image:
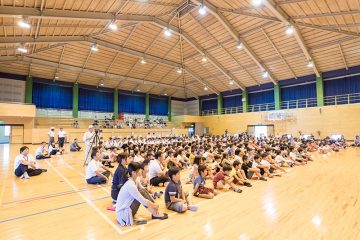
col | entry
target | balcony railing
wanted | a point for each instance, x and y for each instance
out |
(342, 99)
(299, 103)
(261, 107)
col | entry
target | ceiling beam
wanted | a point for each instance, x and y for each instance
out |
(67, 67)
(327, 28)
(280, 14)
(330, 14)
(235, 35)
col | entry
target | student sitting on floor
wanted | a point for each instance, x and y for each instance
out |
(199, 184)
(144, 180)
(96, 173)
(222, 178)
(120, 175)
(198, 160)
(130, 199)
(175, 198)
(237, 174)
(74, 146)
(53, 150)
(264, 168)
(157, 171)
(41, 153)
(250, 171)
(25, 164)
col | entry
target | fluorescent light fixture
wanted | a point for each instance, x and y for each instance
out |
(24, 23)
(240, 45)
(256, 3)
(179, 70)
(290, 30)
(265, 74)
(202, 9)
(143, 61)
(22, 49)
(310, 64)
(167, 32)
(94, 48)
(231, 82)
(113, 26)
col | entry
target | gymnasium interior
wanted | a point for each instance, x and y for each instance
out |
(233, 79)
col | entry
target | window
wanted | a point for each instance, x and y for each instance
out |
(7, 131)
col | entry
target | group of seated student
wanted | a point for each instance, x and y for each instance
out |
(25, 166)
(357, 141)
(228, 162)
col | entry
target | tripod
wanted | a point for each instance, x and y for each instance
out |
(95, 140)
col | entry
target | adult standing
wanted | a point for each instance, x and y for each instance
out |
(51, 135)
(88, 138)
(61, 138)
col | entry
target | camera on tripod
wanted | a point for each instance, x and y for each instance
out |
(97, 129)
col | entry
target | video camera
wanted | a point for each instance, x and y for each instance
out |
(97, 129)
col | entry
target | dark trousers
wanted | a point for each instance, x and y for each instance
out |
(157, 180)
(42, 157)
(97, 179)
(61, 142)
(21, 169)
(53, 152)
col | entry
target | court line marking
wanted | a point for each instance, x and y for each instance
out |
(116, 228)
(49, 210)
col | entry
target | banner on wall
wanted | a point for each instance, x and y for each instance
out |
(279, 115)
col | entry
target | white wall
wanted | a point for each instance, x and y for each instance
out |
(192, 108)
(12, 90)
(177, 108)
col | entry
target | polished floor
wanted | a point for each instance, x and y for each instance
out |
(317, 201)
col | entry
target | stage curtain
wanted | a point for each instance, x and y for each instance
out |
(158, 105)
(52, 96)
(96, 100)
(131, 103)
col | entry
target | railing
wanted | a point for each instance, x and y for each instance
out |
(209, 112)
(232, 110)
(299, 103)
(261, 107)
(342, 99)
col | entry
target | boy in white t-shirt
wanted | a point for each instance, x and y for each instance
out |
(25, 165)
(96, 173)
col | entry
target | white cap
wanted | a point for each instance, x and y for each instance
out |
(91, 126)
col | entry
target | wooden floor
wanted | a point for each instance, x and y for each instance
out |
(317, 201)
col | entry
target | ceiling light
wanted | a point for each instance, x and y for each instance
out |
(256, 3)
(290, 30)
(22, 49)
(94, 48)
(102, 83)
(204, 59)
(231, 82)
(179, 70)
(113, 26)
(265, 74)
(143, 61)
(24, 23)
(165, 94)
(56, 76)
(240, 45)
(138, 90)
(310, 64)
(167, 32)
(206, 88)
(202, 10)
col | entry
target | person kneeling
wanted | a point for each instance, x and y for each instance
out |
(96, 173)
(74, 146)
(130, 199)
(175, 198)
(25, 165)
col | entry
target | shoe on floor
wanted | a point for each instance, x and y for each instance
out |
(263, 179)
(193, 208)
(160, 218)
(247, 184)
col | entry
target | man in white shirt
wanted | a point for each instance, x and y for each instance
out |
(51, 135)
(25, 164)
(41, 152)
(88, 138)
(96, 173)
(157, 173)
(61, 138)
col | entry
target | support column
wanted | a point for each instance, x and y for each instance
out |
(28, 89)
(320, 91)
(219, 104)
(245, 101)
(169, 109)
(147, 106)
(200, 107)
(75, 100)
(116, 103)
(277, 97)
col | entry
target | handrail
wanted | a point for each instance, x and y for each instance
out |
(342, 99)
(299, 103)
(261, 107)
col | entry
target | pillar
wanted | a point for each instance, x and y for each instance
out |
(28, 89)
(147, 106)
(169, 109)
(219, 104)
(75, 113)
(116, 103)
(320, 91)
(245, 101)
(277, 97)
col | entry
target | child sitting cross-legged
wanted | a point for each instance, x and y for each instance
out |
(199, 184)
(222, 178)
(175, 198)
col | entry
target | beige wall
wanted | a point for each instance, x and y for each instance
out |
(16, 110)
(343, 119)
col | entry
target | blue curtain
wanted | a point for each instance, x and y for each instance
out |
(158, 106)
(341, 86)
(261, 97)
(233, 101)
(209, 104)
(131, 103)
(298, 92)
(96, 100)
(52, 96)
